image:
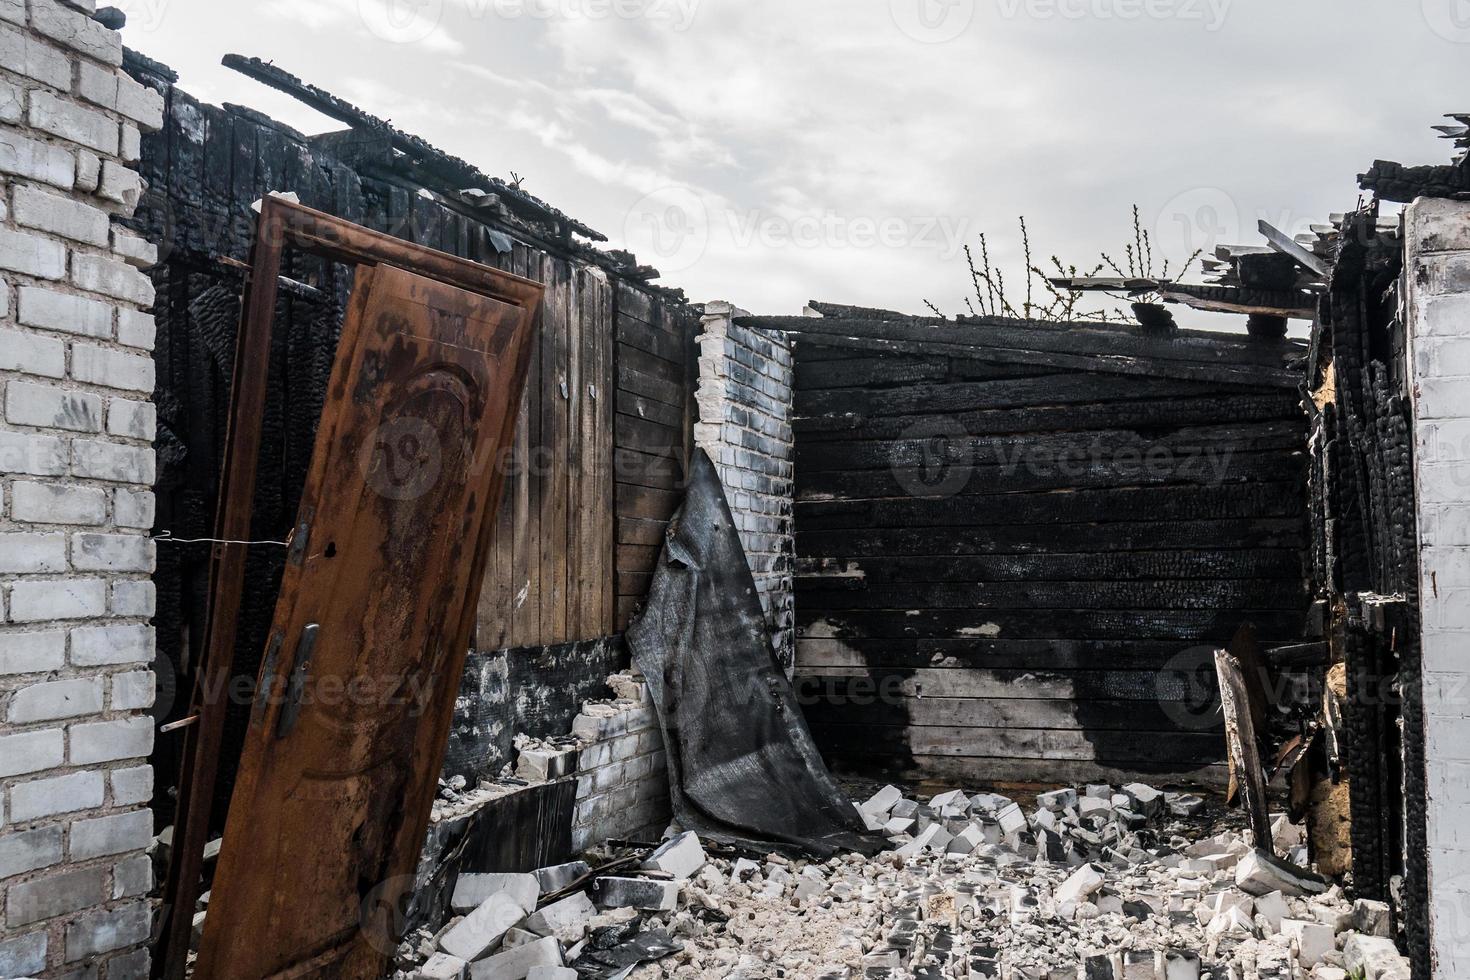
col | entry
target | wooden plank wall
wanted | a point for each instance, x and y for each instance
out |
(558, 568)
(966, 608)
(653, 431)
(550, 581)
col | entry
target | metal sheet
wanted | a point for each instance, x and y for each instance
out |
(743, 768)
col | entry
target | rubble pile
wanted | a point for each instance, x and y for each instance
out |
(1094, 884)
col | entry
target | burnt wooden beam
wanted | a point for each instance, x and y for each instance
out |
(1286, 245)
(1190, 355)
(451, 167)
(1293, 304)
(1246, 769)
(857, 312)
(1396, 182)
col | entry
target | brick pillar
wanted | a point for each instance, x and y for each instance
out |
(76, 502)
(744, 398)
(1437, 286)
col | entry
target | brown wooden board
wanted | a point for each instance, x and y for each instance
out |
(374, 619)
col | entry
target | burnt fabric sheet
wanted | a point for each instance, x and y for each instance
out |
(743, 768)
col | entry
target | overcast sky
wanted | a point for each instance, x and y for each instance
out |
(768, 152)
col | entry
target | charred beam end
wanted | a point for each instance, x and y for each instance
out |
(1398, 183)
(858, 312)
(1292, 304)
(453, 168)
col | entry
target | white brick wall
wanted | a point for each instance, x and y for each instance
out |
(1438, 300)
(76, 508)
(744, 425)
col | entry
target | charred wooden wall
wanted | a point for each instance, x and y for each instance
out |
(607, 386)
(656, 375)
(1006, 570)
(1365, 566)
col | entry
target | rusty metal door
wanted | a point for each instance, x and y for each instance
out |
(370, 633)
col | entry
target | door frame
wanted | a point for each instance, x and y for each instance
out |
(282, 224)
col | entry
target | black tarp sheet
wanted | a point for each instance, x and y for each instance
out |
(743, 768)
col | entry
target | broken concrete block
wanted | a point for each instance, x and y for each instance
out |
(951, 798)
(904, 809)
(1056, 800)
(1092, 805)
(471, 890)
(871, 821)
(1372, 918)
(1272, 907)
(541, 765)
(1230, 922)
(516, 964)
(1100, 966)
(1011, 819)
(1146, 799)
(809, 888)
(898, 825)
(565, 919)
(1285, 834)
(518, 937)
(551, 973)
(1373, 957)
(1183, 804)
(479, 931)
(441, 966)
(1259, 873)
(882, 801)
(1177, 964)
(966, 840)
(559, 876)
(1082, 884)
(680, 857)
(1139, 964)
(637, 893)
(1313, 940)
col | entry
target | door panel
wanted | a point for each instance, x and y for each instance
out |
(370, 633)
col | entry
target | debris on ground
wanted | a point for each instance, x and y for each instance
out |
(1095, 883)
